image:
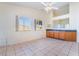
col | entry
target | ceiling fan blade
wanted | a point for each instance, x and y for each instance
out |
(55, 8)
(44, 4)
(49, 6)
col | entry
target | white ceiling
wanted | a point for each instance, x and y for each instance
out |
(37, 5)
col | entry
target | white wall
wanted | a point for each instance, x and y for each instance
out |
(74, 17)
(8, 22)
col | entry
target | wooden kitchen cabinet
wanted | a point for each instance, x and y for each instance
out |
(68, 35)
(73, 36)
(56, 34)
(52, 35)
(49, 34)
(62, 35)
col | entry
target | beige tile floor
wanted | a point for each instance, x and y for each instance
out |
(41, 47)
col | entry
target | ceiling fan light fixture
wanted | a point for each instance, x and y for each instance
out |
(47, 9)
(48, 6)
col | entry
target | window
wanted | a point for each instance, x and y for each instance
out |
(23, 23)
(38, 25)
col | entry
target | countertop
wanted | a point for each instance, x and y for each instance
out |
(66, 30)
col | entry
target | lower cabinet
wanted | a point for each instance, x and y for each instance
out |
(67, 36)
(49, 34)
(70, 36)
(62, 35)
(56, 35)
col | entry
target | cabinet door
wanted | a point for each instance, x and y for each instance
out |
(62, 35)
(70, 36)
(73, 36)
(49, 34)
(56, 34)
(67, 35)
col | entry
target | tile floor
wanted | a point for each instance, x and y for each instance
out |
(41, 47)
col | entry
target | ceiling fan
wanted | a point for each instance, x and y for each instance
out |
(49, 6)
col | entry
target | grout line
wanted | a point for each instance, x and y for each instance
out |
(6, 48)
(70, 49)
